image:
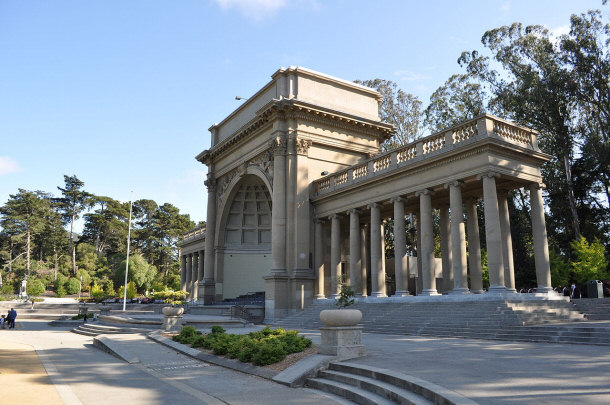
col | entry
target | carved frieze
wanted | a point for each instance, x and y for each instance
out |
(303, 146)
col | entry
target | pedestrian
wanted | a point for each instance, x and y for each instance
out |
(85, 318)
(2, 320)
(12, 315)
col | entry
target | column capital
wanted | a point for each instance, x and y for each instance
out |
(488, 174)
(397, 199)
(319, 220)
(455, 183)
(425, 191)
(334, 216)
(373, 205)
(538, 186)
(210, 183)
(353, 211)
(303, 146)
(278, 145)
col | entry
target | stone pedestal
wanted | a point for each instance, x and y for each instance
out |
(344, 342)
(171, 322)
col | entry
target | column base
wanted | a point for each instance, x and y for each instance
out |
(544, 290)
(378, 294)
(477, 291)
(277, 297)
(320, 297)
(401, 294)
(497, 289)
(511, 290)
(459, 291)
(428, 292)
(334, 296)
(209, 291)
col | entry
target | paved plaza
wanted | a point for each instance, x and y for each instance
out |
(47, 365)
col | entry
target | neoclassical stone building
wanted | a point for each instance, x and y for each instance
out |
(299, 193)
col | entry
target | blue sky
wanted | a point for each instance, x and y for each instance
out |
(122, 92)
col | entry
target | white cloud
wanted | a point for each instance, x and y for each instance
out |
(8, 165)
(505, 8)
(410, 76)
(256, 10)
(559, 31)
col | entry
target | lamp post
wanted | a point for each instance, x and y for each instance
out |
(127, 261)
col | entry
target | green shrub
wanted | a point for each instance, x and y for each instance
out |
(73, 286)
(263, 347)
(35, 287)
(60, 291)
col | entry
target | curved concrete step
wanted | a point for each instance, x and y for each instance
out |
(347, 391)
(95, 330)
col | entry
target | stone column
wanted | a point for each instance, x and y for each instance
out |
(189, 276)
(377, 274)
(355, 250)
(183, 272)
(194, 281)
(427, 242)
(277, 286)
(419, 285)
(493, 235)
(291, 180)
(446, 249)
(209, 283)
(198, 274)
(474, 248)
(365, 257)
(319, 257)
(541, 244)
(278, 209)
(507, 242)
(401, 269)
(458, 239)
(335, 254)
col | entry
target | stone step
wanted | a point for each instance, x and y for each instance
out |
(347, 391)
(430, 392)
(385, 390)
(95, 330)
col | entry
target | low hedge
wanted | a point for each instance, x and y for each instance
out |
(261, 348)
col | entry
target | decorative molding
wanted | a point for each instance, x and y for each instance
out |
(488, 174)
(425, 191)
(210, 183)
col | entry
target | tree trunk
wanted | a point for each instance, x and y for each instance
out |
(571, 199)
(55, 262)
(72, 247)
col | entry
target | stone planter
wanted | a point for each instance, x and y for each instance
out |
(173, 311)
(340, 317)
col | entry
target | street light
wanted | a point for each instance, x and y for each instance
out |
(127, 261)
(239, 98)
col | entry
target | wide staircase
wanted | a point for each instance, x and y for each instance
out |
(368, 385)
(594, 309)
(514, 320)
(95, 329)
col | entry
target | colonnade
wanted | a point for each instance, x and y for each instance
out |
(191, 273)
(453, 243)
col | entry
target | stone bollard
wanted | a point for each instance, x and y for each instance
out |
(172, 317)
(340, 335)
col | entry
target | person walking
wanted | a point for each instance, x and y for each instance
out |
(12, 315)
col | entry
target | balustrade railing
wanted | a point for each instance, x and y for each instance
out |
(485, 126)
(192, 234)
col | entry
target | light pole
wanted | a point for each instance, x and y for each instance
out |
(127, 261)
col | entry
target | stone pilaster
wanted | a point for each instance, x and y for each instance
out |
(474, 248)
(319, 258)
(507, 241)
(189, 275)
(366, 261)
(541, 244)
(446, 249)
(427, 243)
(335, 254)
(493, 235)
(458, 239)
(377, 273)
(355, 250)
(401, 269)
(278, 209)
(209, 284)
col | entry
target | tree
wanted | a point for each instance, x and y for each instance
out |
(140, 272)
(106, 227)
(35, 287)
(24, 216)
(533, 89)
(590, 262)
(131, 290)
(461, 98)
(403, 110)
(74, 201)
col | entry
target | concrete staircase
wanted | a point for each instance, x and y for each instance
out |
(374, 386)
(594, 309)
(91, 329)
(527, 320)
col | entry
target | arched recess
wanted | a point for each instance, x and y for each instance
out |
(243, 251)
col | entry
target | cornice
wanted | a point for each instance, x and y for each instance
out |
(293, 108)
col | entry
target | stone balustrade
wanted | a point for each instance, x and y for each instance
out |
(194, 234)
(485, 126)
